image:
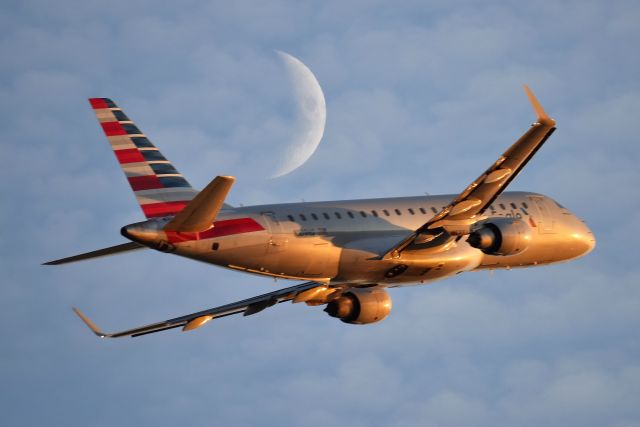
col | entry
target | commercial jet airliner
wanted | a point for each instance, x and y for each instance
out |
(348, 253)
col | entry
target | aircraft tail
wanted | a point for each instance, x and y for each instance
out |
(159, 188)
(113, 250)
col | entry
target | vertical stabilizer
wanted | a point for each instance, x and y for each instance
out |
(159, 188)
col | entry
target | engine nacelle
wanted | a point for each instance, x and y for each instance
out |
(501, 236)
(361, 306)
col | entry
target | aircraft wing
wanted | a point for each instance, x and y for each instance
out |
(298, 293)
(467, 208)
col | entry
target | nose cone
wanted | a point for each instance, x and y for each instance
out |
(582, 238)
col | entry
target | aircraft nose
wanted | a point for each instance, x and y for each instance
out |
(583, 237)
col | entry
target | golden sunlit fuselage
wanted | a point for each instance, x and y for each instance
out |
(343, 241)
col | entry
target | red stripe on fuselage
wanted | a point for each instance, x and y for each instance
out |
(154, 210)
(147, 182)
(225, 227)
(113, 128)
(130, 155)
(98, 103)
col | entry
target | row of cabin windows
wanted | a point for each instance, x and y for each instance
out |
(513, 206)
(385, 212)
(363, 214)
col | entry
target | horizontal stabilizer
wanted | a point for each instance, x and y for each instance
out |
(200, 213)
(113, 250)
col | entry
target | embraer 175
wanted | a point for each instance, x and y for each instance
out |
(348, 253)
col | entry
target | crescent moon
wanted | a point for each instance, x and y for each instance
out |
(311, 115)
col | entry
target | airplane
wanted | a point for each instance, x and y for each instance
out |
(348, 253)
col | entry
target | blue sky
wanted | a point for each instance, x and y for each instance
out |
(421, 97)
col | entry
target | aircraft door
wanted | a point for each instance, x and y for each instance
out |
(277, 239)
(544, 220)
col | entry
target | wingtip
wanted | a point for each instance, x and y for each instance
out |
(89, 323)
(542, 116)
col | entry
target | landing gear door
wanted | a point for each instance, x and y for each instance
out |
(543, 219)
(277, 239)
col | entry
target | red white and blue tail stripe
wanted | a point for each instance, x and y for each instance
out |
(159, 188)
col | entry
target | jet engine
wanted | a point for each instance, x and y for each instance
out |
(361, 306)
(501, 236)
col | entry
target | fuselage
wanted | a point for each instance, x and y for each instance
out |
(342, 241)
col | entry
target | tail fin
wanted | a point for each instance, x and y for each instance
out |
(159, 188)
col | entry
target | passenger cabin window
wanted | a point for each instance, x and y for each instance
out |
(363, 214)
(492, 208)
(513, 205)
(398, 211)
(385, 212)
(374, 213)
(411, 211)
(302, 217)
(325, 215)
(502, 206)
(350, 214)
(215, 246)
(525, 205)
(314, 216)
(338, 215)
(422, 211)
(290, 217)
(434, 210)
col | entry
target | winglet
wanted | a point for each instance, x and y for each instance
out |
(543, 118)
(200, 213)
(89, 323)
